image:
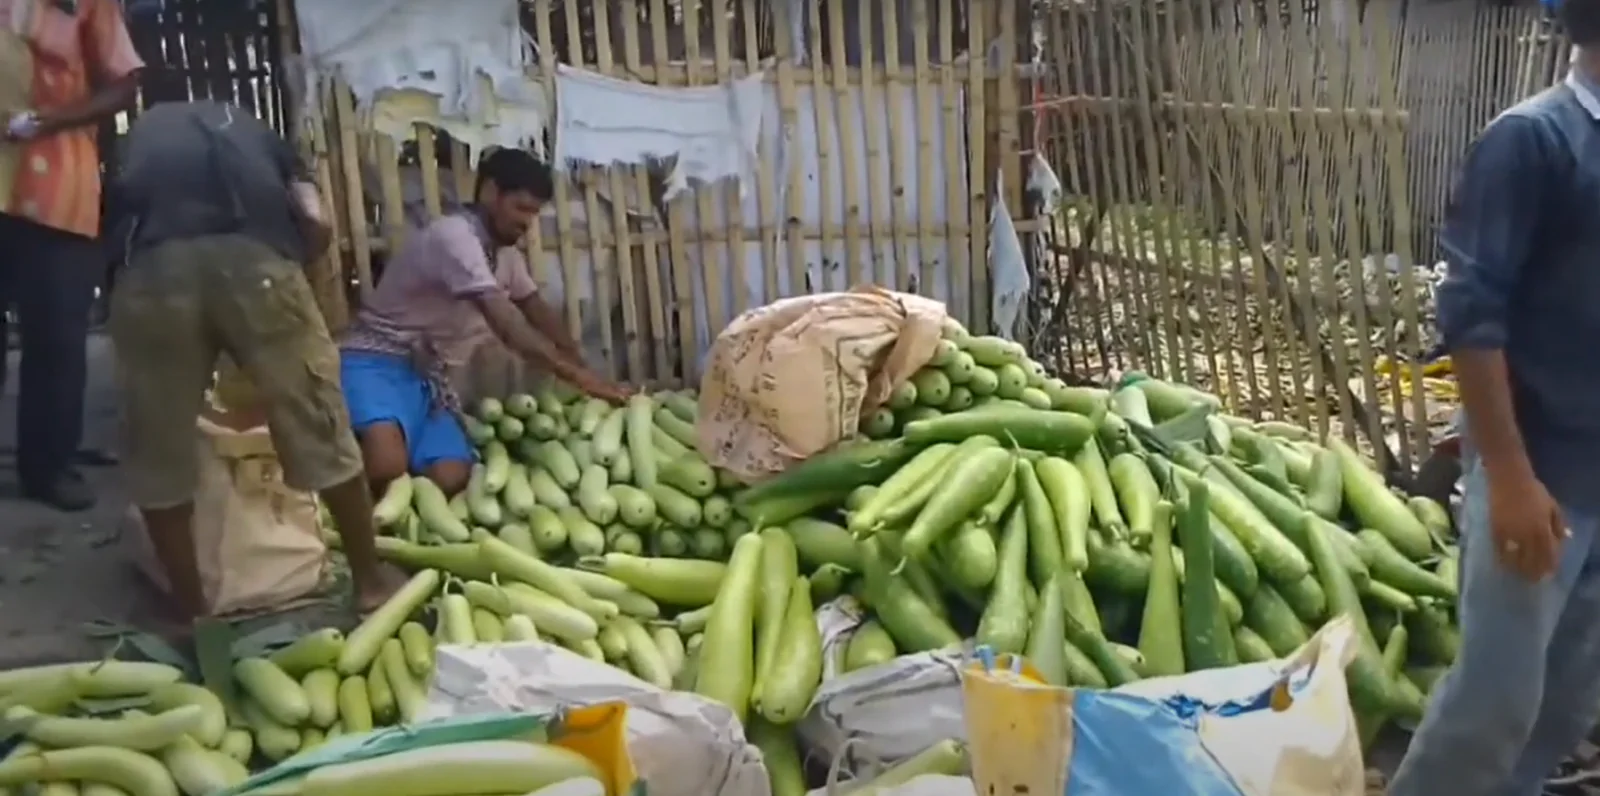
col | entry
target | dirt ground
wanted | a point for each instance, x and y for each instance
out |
(58, 571)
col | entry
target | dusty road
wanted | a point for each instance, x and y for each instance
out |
(58, 571)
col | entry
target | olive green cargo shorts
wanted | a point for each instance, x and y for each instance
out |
(179, 305)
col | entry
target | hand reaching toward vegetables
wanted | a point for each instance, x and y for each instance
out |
(604, 389)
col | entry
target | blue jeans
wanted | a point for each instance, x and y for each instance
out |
(1525, 689)
(380, 388)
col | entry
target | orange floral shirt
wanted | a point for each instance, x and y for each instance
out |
(58, 177)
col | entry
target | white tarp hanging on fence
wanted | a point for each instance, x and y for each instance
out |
(459, 66)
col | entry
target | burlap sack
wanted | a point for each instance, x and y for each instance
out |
(258, 543)
(16, 88)
(791, 379)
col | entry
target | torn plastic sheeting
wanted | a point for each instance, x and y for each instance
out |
(514, 121)
(440, 47)
(711, 131)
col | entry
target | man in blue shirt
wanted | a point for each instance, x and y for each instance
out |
(1520, 313)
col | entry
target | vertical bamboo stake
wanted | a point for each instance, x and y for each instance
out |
(958, 286)
(655, 298)
(1089, 168)
(324, 272)
(766, 183)
(857, 263)
(1377, 87)
(464, 172)
(1313, 413)
(360, 244)
(387, 158)
(876, 203)
(1322, 214)
(428, 163)
(793, 222)
(682, 277)
(636, 372)
(1133, 338)
(599, 271)
(1407, 374)
(927, 128)
(329, 274)
(896, 88)
(568, 253)
(1153, 150)
(827, 175)
(711, 270)
(1253, 212)
(1178, 196)
(1009, 135)
(1412, 357)
(1336, 78)
(982, 173)
(730, 272)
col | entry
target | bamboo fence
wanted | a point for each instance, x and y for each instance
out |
(1252, 193)
(895, 129)
(1243, 182)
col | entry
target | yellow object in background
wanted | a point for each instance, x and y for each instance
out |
(600, 733)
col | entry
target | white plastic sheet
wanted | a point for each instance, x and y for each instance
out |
(681, 744)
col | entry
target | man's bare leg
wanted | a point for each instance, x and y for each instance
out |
(171, 532)
(350, 503)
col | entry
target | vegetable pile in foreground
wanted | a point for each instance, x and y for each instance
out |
(1106, 535)
(1110, 535)
(80, 737)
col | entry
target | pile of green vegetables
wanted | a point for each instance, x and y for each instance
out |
(121, 728)
(1106, 535)
(1111, 535)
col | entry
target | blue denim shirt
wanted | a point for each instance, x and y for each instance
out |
(1522, 238)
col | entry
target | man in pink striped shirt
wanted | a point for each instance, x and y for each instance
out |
(459, 283)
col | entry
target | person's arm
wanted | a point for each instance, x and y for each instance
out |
(506, 321)
(546, 321)
(1488, 238)
(305, 201)
(113, 63)
(313, 219)
(535, 312)
(465, 270)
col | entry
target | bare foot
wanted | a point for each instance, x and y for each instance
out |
(172, 626)
(370, 596)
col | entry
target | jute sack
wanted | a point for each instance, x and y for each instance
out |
(258, 543)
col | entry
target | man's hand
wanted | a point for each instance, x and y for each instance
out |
(1526, 526)
(21, 127)
(604, 389)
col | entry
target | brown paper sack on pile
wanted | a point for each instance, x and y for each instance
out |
(788, 380)
(258, 542)
(16, 88)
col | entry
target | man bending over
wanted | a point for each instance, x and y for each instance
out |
(219, 217)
